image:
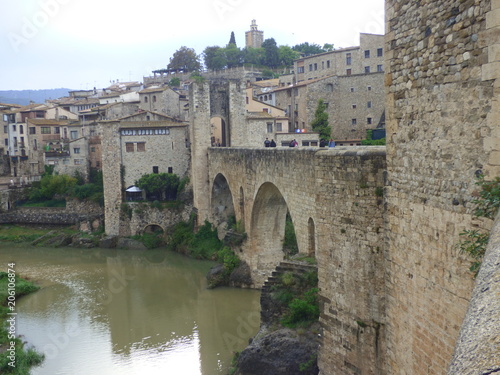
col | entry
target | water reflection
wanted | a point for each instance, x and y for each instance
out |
(121, 312)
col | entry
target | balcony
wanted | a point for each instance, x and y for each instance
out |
(56, 154)
(51, 137)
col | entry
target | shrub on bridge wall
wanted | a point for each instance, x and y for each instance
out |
(474, 241)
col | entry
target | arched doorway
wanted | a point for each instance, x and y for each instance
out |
(218, 132)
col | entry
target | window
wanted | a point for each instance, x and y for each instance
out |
(269, 127)
(310, 67)
(45, 130)
(170, 170)
(13, 128)
(40, 115)
(296, 91)
(15, 141)
(300, 69)
(369, 88)
(21, 130)
(380, 68)
(76, 150)
(57, 130)
(279, 127)
(354, 106)
(154, 98)
(348, 59)
(315, 66)
(352, 89)
(369, 105)
(73, 134)
(326, 105)
(156, 169)
(5, 129)
(367, 69)
(141, 146)
(145, 99)
(6, 142)
(148, 118)
(92, 149)
(368, 120)
(367, 54)
(329, 87)
(78, 161)
(380, 52)
(348, 72)
(35, 144)
(32, 130)
(129, 147)
(353, 121)
(327, 64)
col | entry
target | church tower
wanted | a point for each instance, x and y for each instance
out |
(254, 37)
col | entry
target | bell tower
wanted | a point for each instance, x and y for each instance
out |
(254, 37)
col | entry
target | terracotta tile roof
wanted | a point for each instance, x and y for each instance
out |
(153, 89)
(43, 121)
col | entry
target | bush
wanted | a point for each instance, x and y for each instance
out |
(487, 205)
(302, 311)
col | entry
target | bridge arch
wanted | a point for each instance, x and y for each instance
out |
(221, 200)
(268, 226)
(153, 228)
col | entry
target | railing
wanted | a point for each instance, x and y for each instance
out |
(56, 154)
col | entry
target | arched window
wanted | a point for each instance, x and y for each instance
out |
(154, 98)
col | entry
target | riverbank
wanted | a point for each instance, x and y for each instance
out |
(15, 358)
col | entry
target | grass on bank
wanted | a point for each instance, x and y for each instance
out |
(24, 358)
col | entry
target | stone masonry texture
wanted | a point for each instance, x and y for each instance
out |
(442, 128)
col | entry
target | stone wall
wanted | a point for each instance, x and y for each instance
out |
(137, 216)
(442, 129)
(350, 211)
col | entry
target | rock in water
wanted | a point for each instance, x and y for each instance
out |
(281, 352)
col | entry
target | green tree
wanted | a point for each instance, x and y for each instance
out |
(175, 82)
(272, 58)
(287, 55)
(159, 185)
(232, 39)
(320, 121)
(50, 186)
(233, 55)
(308, 49)
(214, 58)
(185, 59)
(254, 56)
(327, 47)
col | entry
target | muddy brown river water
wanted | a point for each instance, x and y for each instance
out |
(106, 312)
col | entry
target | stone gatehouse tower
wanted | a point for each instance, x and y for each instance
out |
(224, 100)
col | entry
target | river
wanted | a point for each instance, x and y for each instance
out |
(106, 312)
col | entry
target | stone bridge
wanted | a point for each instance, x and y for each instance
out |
(335, 200)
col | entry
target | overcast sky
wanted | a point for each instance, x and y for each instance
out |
(80, 44)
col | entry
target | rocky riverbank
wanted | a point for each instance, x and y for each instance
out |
(288, 340)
